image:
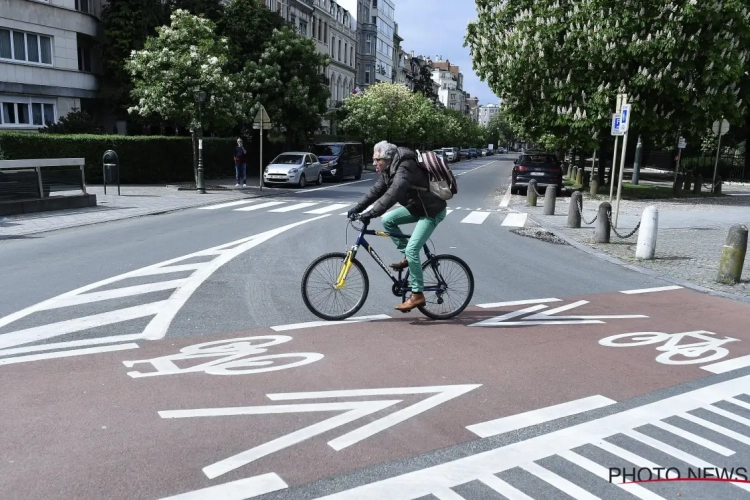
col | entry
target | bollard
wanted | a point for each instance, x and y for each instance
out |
(574, 216)
(579, 177)
(575, 175)
(678, 182)
(646, 247)
(733, 255)
(570, 171)
(717, 187)
(550, 199)
(688, 180)
(602, 230)
(698, 184)
(531, 194)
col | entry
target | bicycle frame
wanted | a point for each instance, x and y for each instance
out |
(397, 282)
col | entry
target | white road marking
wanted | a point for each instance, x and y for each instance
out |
(493, 305)
(447, 212)
(535, 417)
(163, 311)
(457, 472)
(116, 293)
(546, 314)
(298, 206)
(717, 428)
(337, 185)
(240, 489)
(258, 207)
(668, 449)
(739, 403)
(504, 488)
(650, 290)
(506, 198)
(728, 365)
(558, 482)
(66, 354)
(313, 324)
(225, 205)
(515, 220)
(447, 494)
(475, 168)
(700, 441)
(728, 414)
(329, 208)
(548, 317)
(73, 343)
(475, 217)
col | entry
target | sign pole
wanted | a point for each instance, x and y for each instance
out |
(260, 164)
(718, 149)
(614, 153)
(622, 162)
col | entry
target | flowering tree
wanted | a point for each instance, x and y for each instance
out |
(559, 64)
(183, 59)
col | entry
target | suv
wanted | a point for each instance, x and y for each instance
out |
(340, 159)
(544, 168)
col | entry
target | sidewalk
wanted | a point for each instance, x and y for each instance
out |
(134, 201)
(690, 238)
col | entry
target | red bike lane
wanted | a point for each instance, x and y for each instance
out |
(307, 402)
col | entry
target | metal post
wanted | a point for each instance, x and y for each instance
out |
(260, 167)
(718, 149)
(622, 169)
(201, 186)
(41, 185)
(637, 162)
(83, 178)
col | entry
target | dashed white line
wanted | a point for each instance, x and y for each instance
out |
(262, 205)
(225, 205)
(475, 217)
(329, 208)
(651, 290)
(313, 324)
(515, 220)
(506, 199)
(297, 206)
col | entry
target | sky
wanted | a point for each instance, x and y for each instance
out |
(433, 29)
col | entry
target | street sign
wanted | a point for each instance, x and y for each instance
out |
(262, 117)
(724, 127)
(625, 117)
(682, 143)
(616, 124)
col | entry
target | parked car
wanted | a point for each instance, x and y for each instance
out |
(442, 154)
(484, 152)
(473, 153)
(544, 168)
(465, 153)
(340, 159)
(450, 155)
(295, 167)
(456, 153)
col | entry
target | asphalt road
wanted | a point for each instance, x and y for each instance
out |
(103, 334)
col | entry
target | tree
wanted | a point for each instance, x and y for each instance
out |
(210, 9)
(186, 57)
(286, 79)
(423, 83)
(247, 25)
(126, 24)
(76, 121)
(499, 130)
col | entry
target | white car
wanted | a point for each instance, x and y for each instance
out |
(450, 154)
(296, 167)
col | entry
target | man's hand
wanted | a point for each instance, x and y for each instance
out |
(365, 218)
(352, 211)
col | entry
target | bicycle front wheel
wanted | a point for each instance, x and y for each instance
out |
(319, 291)
(448, 286)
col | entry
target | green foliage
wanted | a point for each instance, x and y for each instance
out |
(143, 159)
(423, 83)
(499, 130)
(210, 9)
(247, 26)
(559, 64)
(126, 24)
(185, 58)
(76, 121)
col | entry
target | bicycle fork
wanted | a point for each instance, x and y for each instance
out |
(341, 280)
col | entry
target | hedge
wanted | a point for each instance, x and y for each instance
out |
(143, 159)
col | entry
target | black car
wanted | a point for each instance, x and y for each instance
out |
(544, 168)
(340, 159)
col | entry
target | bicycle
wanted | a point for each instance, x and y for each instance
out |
(343, 263)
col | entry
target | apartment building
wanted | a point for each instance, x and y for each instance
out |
(486, 112)
(472, 107)
(48, 60)
(450, 81)
(377, 37)
(297, 12)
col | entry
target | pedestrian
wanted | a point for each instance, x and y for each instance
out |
(399, 174)
(240, 163)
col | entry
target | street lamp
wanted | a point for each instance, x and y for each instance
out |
(200, 97)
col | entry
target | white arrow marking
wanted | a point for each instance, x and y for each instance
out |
(549, 317)
(241, 489)
(356, 409)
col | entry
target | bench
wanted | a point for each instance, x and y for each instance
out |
(26, 179)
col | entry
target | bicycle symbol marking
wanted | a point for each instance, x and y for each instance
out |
(707, 348)
(237, 356)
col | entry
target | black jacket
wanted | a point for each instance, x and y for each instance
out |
(396, 185)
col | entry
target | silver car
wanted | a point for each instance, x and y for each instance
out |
(293, 168)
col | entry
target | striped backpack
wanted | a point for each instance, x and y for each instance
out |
(442, 182)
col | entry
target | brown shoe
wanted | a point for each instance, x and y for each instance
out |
(416, 300)
(400, 265)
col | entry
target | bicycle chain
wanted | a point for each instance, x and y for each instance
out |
(609, 216)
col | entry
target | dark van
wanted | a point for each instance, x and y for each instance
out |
(340, 159)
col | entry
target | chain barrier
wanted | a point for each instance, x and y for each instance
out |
(535, 191)
(609, 217)
(579, 206)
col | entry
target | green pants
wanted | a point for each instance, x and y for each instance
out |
(412, 246)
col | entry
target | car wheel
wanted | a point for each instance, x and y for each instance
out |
(302, 182)
(359, 174)
(319, 182)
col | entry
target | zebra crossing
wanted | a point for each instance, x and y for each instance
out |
(703, 433)
(467, 215)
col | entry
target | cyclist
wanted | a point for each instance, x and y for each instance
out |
(399, 175)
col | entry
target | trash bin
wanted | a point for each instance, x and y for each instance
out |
(111, 170)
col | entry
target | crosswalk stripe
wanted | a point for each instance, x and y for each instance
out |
(602, 472)
(667, 449)
(475, 217)
(692, 437)
(448, 212)
(626, 455)
(504, 488)
(446, 494)
(293, 207)
(262, 205)
(728, 414)
(717, 428)
(329, 208)
(515, 220)
(558, 482)
(225, 205)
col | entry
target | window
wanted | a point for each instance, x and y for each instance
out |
(367, 75)
(374, 4)
(325, 35)
(313, 27)
(320, 30)
(368, 45)
(303, 27)
(333, 47)
(346, 53)
(351, 56)
(25, 47)
(84, 59)
(339, 49)
(84, 6)
(24, 111)
(384, 28)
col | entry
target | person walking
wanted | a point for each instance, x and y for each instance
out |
(240, 163)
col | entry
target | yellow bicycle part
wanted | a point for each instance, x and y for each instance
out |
(344, 272)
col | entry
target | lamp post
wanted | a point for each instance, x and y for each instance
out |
(200, 97)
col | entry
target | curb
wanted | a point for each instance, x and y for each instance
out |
(647, 272)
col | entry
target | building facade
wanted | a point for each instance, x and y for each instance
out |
(48, 60)
(486, 112)
(297, 12)
(472, 107)
(450, 81)
(377, 38)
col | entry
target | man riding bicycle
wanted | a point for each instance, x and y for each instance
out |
(399, 175)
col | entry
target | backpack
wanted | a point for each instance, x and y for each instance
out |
(442, 182)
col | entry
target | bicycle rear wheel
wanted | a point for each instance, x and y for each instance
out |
(322, 297)
(448, 286)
